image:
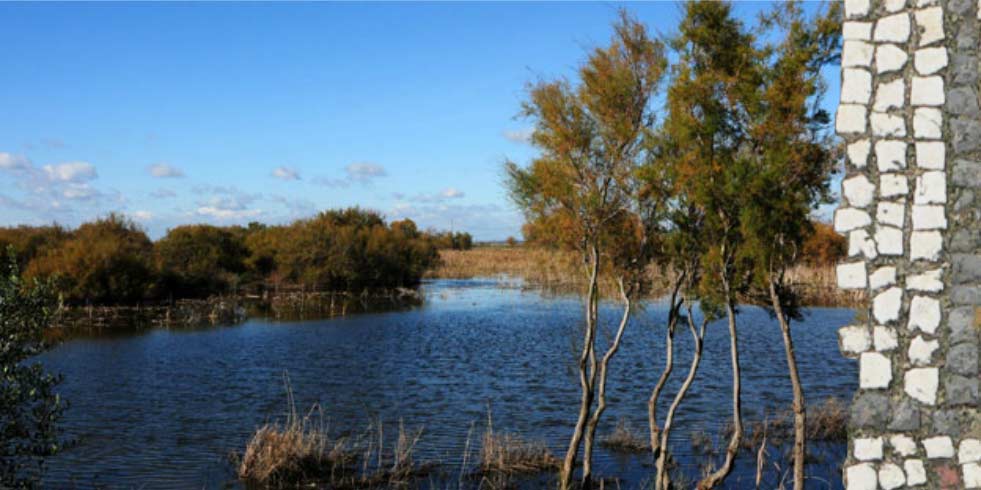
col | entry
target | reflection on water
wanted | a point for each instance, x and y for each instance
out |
(164, 409)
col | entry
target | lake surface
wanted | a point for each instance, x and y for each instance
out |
(163, 409)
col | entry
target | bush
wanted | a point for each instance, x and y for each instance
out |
(107, 261)
(824, 246)
(29, 242)
(29, 408)
(199, 260)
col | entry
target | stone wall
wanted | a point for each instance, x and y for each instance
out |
(911, 208)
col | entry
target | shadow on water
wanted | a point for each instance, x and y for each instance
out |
(164, 408)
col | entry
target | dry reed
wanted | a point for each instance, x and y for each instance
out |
(561, 271)
(625, 440)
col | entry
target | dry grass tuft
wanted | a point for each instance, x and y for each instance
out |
(625, 440)
(509, 453)
(300, 452)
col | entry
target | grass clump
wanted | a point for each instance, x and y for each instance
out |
(625, 440)
(509, 453)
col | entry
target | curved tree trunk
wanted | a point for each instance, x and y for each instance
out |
(800, 413)
(585, 382)
(719, 475)
(663, 479)
(601, 387)
(666, 373)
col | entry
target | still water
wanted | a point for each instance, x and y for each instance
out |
(164, 409)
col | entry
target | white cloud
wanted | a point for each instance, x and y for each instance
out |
(451, 193)
(12, 162)
(227, 214)
(164, 171)
(484, 221)
(285, 173)
(79, 192)
(518, 135)
(141, 215)
(364, 171)
(70, 172)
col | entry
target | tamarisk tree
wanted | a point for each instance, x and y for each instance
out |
(792, 161)
(592, 137)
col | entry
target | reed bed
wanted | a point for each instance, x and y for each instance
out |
(561, 271)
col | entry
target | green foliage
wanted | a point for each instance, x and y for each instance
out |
(106, 261)
(581, 191)
(200, 260)
(29, 407)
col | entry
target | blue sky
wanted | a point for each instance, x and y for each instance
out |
(228, 113)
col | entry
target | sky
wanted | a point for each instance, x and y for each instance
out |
(227, 113)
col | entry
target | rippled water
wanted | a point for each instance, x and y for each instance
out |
(164, 408)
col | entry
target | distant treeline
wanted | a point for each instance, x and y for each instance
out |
(113, 261)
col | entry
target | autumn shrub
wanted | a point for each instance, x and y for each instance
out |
(107, 261)
(200, 260)
(29, 242)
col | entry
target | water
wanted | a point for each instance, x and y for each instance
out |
(163, 409)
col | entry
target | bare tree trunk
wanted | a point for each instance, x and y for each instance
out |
(718, 476)
(663, 479)
(585, 381)
(800, 414)
(666, 373)
(601, 386)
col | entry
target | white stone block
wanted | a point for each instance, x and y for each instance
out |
(890, 155)
(868, 448)
(890, 213)
(924, 245)
(891, 476)
(854, 339)
(852, 275)
(921, 351)
(939, 447)
(892, 29)
(921, 385)
(894, 5)
(858, 153)
(891, 185)
(882, 277)
(931, 155)
(856, 8)
(903, 445)
(884, 338)
(848, 219)
(928, 61)
(969, 451)
(931, 188)
(889, 95)
(851, 118)
(888, 57)
(889, 240)
(930, 24)
(887, 304)
(857, 54)
(859, 191)
(972, 475)
(856, 31)
(874, 371)
(927, 91)
(924, 314)
(915, 472)
(886, 125)
(860, 243)
(856, 86)
(925, 3)
(930, 281)
(861, 476)
(928, 123)
(929, 217)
